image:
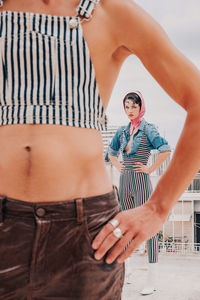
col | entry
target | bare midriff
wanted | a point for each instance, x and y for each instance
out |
(51, 163)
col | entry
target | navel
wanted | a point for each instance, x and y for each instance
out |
(28, 161)
(28, 148)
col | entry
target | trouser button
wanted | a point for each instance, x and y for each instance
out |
(40, 212)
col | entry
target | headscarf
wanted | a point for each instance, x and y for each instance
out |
(136, 122)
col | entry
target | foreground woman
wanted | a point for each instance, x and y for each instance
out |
(56, 194)
(135, 141)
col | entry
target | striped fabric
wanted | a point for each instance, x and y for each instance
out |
(86, 8)
(142, 155)
(46, 72)
(136, 188)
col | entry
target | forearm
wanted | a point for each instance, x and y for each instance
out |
(115, 162)
(182, 168)
(160, 159)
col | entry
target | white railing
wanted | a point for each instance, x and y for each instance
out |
(173, 248)
(179, 248)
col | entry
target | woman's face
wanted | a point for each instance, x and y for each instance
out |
(132, 109)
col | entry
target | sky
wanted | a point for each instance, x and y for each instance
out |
(180, 19)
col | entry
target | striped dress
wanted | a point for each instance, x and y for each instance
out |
(46, 72)
(135, 189)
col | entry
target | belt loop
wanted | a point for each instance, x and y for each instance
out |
(79, 210)
(2, 199)
(116, 192)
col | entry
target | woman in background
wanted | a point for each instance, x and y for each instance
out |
(135, 141)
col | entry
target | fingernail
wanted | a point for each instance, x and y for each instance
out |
(97, 256)
(108, 261)
(93, 246)
(119, 261)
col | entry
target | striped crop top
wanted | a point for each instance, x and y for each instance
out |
(46, 72)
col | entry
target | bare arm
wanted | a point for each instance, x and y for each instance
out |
(181, 80)
(115, 162)
(159, 160)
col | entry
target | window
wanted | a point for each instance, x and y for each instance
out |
(195, 185)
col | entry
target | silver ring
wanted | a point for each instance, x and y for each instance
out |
(114, 222)
(117, 232)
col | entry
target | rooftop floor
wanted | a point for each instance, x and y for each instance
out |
(178, 278)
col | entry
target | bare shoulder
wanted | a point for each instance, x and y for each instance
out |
(133, 25)
(119, 6)
(119, 10)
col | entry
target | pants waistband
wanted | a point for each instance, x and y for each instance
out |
(77, 208)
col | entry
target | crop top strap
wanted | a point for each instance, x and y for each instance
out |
(86, 8)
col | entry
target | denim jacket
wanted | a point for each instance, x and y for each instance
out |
(122, 137)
